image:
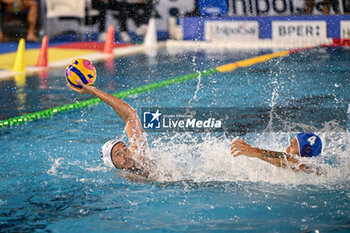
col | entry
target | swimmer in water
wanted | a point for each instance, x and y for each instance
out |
(302, 145)
(115, 153)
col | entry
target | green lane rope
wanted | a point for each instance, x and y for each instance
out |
(90, 102)
(145, 88)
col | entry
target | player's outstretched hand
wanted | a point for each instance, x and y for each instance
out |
(84, 90)
(240, 147)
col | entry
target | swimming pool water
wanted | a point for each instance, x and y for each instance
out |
(52, 178)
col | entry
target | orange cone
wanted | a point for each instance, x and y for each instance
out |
(43, 60)
(109, 43)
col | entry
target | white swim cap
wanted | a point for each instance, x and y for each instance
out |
(106, 152)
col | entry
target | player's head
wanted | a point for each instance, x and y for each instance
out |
(309, 144)
(115, 153)
(305, 145)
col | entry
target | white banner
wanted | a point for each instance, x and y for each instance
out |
(231, 30)
(299, 29)
(345, 29)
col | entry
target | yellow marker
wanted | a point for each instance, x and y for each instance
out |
(20, 80)
(250, 61)
(227, 67)
(19, 64)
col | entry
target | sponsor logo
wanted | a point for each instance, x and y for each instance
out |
(226, 31)
(345, 29)
(278, 7)
(299, 29)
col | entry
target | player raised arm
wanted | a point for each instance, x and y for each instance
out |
(134, 129)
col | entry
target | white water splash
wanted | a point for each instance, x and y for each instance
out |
(56, 164)
(207, 158)
(198, 87)
(100, 167)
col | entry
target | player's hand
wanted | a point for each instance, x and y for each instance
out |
(83, 90)
(240, 147)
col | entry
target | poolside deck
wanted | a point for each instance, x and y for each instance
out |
(59, 55)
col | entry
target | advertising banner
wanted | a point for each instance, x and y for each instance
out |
(231, 30)
(212, 7)
(345, 29)
(299, 29)
(281, 7)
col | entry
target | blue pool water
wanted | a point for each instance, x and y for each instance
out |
(52, 178)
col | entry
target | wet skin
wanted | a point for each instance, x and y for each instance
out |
(121, 156)
(293, 147)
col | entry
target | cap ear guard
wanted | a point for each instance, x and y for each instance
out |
(306, 151)
(309, 144)
(106, 152)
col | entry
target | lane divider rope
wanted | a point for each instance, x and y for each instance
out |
(149, 87)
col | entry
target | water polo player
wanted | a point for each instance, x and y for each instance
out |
(115, 153)
(302, 145)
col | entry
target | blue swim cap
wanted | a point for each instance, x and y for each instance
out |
(309, 144)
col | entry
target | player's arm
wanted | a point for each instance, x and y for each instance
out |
(279, 159)
(125, 111)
